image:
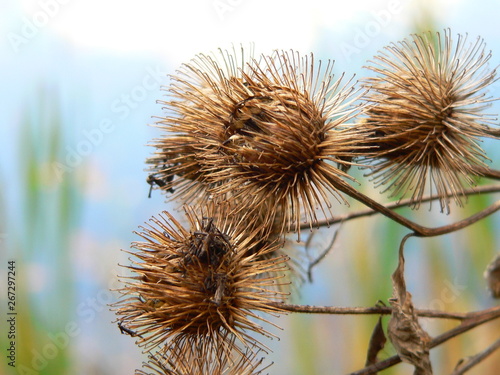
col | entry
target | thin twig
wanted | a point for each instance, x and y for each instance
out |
(494, 188)
(488, 172)
(418, 230)
(321, 256)
(476, 319)
(467, 364)
(380, 310)
(492, 133)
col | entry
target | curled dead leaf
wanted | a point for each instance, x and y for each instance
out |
(405, 333)
(377, 343)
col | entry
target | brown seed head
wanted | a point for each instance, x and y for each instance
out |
(427, 115)
(273, 130)
(199, 286)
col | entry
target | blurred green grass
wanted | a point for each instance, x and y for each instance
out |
(39, 240)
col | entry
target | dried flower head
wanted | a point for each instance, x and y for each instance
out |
(274, 130)
(199, 288)
(427, 115)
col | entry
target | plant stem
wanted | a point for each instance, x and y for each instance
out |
(381, 310)
(470, 362)
(493, 188)
(489, 173)
(417, 229)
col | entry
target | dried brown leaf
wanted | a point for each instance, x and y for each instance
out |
(492, 276)
(407, 336)
(377, 343)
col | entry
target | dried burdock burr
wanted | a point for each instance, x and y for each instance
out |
(197, 287)
(275, 131)
(427, 112)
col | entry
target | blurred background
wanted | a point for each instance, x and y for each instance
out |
(79, 82)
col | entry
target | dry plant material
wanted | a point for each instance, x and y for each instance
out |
(259, 148)
(464, 365)
(492, 276)
(192, 362)
(272, 133)
(199, 289)
(269, 234)
(427, 112)
(377, 343)
(407, 336)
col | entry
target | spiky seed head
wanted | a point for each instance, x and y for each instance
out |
(198, 285)
(426, 109)
(274, 130)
